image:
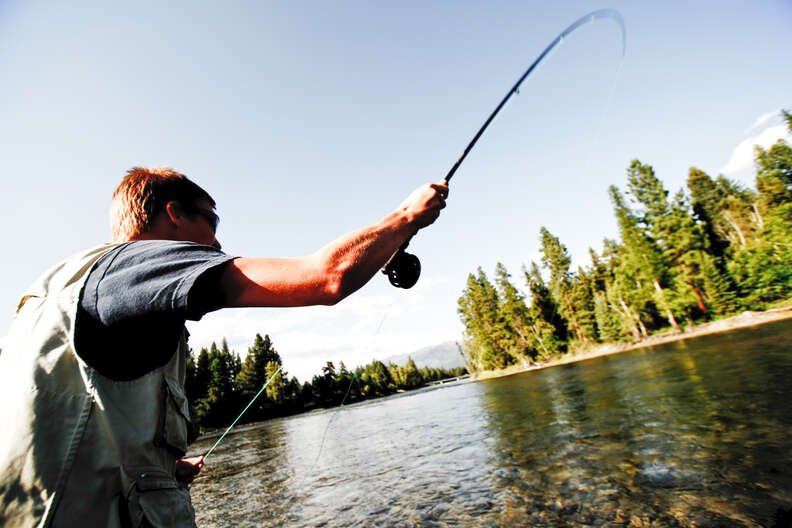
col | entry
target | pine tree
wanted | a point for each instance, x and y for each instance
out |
(548, 327)
(642, 262)
(630, 299)
(253, 372)
(685, 251)
(582, 298)
(600, 274)
(190, 381)
(202, 376)
(721, 296)
(292, 395)
(706, 200)
(513, 321)
(345, 381)
(218, 406)
(234, 364)
(275, 388)
(774, 183)
(557, 261)
(251, 375)
(412, 377)
(325, 386)
(478, 310)
(763, 268)
(607, 321)
(610, 326)
(648, 233)
(739, 215)
(378, 379)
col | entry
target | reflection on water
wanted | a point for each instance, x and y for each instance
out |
(688, 434)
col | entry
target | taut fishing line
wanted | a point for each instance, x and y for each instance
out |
(206, 455)
(277, 371)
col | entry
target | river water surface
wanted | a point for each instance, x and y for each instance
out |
(694, 433)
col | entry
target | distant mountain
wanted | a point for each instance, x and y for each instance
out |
(444, 355)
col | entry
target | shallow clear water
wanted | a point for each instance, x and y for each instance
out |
(695, 433)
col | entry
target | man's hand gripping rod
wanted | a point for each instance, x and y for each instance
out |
(403, 269)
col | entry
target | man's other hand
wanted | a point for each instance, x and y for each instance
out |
(188, 468)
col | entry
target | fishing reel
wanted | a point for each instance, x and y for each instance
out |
(403, 269)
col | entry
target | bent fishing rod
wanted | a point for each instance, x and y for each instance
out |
(403, 269)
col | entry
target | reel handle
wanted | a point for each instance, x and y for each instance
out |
(403, 269)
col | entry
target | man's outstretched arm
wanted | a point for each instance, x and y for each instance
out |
(338, 269)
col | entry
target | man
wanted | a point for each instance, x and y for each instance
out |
(92, 373)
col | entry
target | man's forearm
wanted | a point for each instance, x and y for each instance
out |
(357, 256)
(339, 268)
(325, 277)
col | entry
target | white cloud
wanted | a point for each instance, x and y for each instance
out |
(764, 118)
(356, 330)
(742, 156)
(239, 326)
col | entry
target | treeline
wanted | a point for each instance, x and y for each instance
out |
(712, 250)
(220, 384)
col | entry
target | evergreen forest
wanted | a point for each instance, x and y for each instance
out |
(220, 384)
(706, 252)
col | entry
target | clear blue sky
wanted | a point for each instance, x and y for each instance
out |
(309, 119)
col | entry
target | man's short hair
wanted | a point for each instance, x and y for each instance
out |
(144, 193)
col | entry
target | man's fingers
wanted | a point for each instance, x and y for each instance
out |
(441, 189)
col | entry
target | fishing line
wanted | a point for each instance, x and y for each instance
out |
(349, 388)
(605, 109)
(312, 468)
(203, 458)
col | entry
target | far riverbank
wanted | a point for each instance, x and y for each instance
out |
(743, 320)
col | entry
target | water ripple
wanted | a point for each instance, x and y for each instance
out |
(671, 436)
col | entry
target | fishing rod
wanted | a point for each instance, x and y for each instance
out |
(403, 269)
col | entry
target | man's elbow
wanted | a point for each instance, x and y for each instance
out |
(334, 291)
(338, 286)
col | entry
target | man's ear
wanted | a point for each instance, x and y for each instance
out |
(175, 212)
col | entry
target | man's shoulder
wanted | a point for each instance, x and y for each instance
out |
(151, 261)
(151, 252)
(147, 277)
(166, 247)
(64, 272)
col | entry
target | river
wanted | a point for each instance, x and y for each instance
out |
(692, 433)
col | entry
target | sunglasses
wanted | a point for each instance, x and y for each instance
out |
(209, 216)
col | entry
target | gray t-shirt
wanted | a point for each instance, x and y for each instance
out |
(136, 300)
